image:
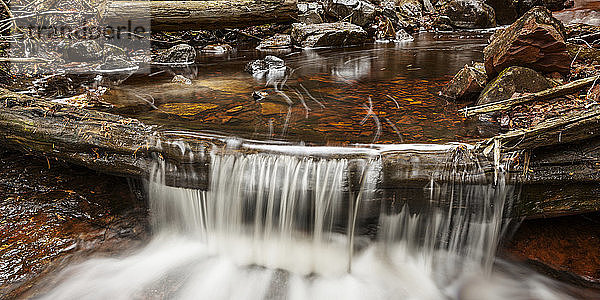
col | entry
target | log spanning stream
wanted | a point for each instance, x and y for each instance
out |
(288, 225)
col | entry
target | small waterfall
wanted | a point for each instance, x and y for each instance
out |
(288, 226)
(270, 210)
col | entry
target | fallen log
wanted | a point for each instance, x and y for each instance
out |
(204, 14)
(571, 127)
(551, 93)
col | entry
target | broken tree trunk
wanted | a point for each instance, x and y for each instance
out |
(204, 14)
(551, 93)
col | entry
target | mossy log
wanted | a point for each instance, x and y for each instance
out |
(204, 14)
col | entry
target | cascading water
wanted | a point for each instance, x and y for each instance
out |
(277, 226)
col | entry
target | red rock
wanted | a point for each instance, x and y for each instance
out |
(466, 84)
(536, 40)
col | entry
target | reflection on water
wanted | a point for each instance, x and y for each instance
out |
(383, 93)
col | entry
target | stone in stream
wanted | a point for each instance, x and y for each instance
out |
(536, 41)
(359, 12)
(180, 79)
(269, 63)
(507, 11)
(469, 14)
(217, 48)
(466, 84)
(340, 34)
(278, 41)
(514, 80)
(81, 51)
(410, 13)
(182, 53)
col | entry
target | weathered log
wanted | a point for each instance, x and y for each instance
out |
(570, 127)
(205, 14)
(551, 93)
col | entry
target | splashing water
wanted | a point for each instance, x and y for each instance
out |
(291, 227)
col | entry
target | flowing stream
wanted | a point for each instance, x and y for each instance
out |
(284, 226)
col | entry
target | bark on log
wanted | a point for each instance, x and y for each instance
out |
(542, 95)
(205, 14)
(573, 126)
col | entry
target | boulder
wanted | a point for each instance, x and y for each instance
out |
(310, 17)
(467, 84)
(536, 40)
(339, 34)
(359, 12)
(513, 80)
(583, 53)
(410, 13)
(267, 64)
(469, 14)
(278, 41)
(88, 50)
(182, 53)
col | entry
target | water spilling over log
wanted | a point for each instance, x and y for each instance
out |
(276, 226)
(128, 147)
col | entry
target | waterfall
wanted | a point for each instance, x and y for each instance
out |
(288, 226)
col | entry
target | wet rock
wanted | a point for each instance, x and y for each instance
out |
(512, 81)
(469, 14)
(361, 13)
(217, 48)
(410, 13)
(182, 53)
(536, 41)
(269, 63)
(84, 51)
(338, 34)
(112, 50)
(117, 64)
(583, 53)
(278, 41)
(310, 17)
(466, 84)
(180, 79)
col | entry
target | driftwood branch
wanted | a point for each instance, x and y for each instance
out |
(542, 95)
(190, 15)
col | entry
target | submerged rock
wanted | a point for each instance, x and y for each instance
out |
(359, 12)
(217, 48)
(84, 51)
(466, 84)
(181, 80)
(269, 63)
(469, 14)
(536, 41)
(511, 81)
(338, 34)
(182, 53)
(278, 41)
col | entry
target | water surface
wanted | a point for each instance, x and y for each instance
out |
(377, 93)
